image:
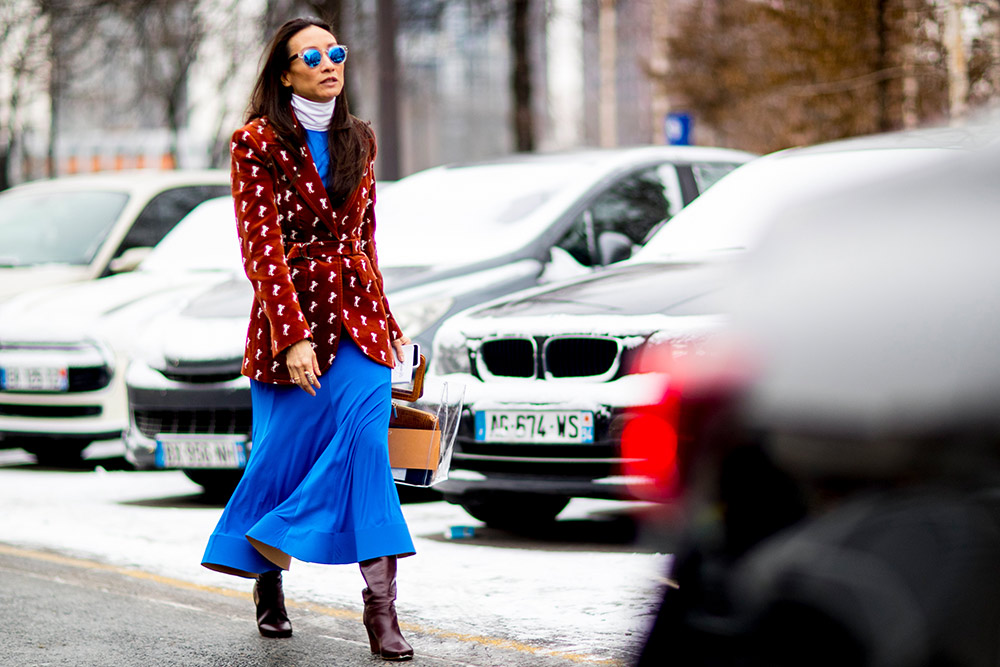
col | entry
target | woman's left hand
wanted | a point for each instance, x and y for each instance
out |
(397, 345)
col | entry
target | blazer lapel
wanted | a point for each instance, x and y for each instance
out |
(304, 178)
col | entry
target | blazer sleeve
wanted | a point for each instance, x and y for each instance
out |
(259, 227)
(368, 236)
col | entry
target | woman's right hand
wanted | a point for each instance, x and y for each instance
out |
(303, 367)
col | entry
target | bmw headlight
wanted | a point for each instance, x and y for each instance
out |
(415, 317)
(451, 352)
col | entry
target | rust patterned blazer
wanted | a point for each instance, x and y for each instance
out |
(313, 268)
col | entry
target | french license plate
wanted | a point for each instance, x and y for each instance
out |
(542, 426)
(201, 451)
(34, 378)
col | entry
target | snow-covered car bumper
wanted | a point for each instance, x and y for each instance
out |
(562, 438)
(211, 402)
(60, 392)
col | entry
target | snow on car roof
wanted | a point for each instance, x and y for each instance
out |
(735, 211)
(133, 181)
(623, 155)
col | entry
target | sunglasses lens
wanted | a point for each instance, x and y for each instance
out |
(338, 54)
(311, 57)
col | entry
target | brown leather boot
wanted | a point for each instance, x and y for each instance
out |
(380, 609)
(272, 620)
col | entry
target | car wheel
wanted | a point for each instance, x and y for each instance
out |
(218, 484)
(57, 454)
(516, 512)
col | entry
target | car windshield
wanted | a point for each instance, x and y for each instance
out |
(52, 227)
(733, 214)
(204, 240)
(458, 215)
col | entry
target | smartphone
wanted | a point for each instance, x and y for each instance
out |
(403, 371)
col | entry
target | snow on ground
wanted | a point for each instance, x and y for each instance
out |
(579, 600)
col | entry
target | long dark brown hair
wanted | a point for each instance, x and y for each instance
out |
(350, 137)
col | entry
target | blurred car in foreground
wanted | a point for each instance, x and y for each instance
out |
(446, 237)
(455, 236)
(549, 372)
(63, 350)
(842, 504)
(77, 228)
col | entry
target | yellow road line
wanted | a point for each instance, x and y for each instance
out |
(494, 642)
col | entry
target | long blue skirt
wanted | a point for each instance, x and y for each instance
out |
(317, 486)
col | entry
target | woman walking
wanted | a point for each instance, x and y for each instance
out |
(320, 345)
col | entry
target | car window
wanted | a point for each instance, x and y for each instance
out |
(53, 227)
(205, 240)
(453, 215)
(164, 211)
(706, 175)
(632, 206)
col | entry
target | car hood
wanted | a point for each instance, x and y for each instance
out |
(112, 310)
(401, 277)
(636, 303)
(209, 327)
(14, 281)
(427, 278)
(633, 290)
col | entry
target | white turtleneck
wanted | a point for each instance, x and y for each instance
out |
(313, 115)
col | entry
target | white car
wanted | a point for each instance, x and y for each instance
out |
(461, 234)
(63, 350)
(549, 372)
(77, 228)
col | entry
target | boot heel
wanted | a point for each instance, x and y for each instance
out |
(379, 617)
(269, 598)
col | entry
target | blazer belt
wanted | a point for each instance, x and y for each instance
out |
(316, 249)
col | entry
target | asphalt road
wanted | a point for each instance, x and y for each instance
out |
(88, 577)
(56, 610)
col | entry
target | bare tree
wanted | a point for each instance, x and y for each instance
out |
(277, 12)
(521, 75)
(957, 59)
(170, 33)
(984, 58)
(235, 37)
(21, 27)
(74, 50)
(522, 23)
(770, 75)
(388, 90)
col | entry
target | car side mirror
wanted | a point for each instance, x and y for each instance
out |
(129, 260)
(561, 266)
(613, 247)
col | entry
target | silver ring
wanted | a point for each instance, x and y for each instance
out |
(310, 376)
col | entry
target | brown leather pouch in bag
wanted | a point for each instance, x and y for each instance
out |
(406, 417)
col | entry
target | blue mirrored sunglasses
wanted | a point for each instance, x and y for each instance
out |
(312, 57)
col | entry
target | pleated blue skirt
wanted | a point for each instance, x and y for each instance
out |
(317, 486)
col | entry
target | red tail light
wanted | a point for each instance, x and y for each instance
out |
(660, 441)
(649, 447)
(650, 437)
